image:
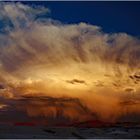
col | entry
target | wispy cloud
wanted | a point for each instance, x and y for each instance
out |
(40, 55)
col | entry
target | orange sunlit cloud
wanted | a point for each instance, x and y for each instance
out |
(98, 71)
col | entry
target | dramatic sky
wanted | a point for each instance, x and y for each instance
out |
(69, 61)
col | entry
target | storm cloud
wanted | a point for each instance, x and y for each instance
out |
(42, 56)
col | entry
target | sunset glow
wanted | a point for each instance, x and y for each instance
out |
(63, 72)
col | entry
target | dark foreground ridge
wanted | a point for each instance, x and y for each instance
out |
(43, 132)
